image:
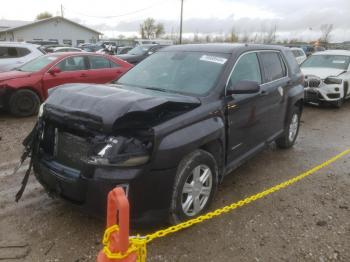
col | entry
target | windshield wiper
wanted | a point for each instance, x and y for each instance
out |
(157, 89)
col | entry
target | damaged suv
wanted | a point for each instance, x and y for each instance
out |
(327, 76)
(170, 129)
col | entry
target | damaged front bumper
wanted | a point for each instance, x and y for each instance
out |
(148, 191)
(317, 90)
(315, 95)
(63, 166)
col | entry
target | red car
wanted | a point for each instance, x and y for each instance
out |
(22, 90)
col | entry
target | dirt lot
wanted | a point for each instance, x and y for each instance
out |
(308, 221)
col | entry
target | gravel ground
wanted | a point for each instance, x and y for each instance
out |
(308, 221)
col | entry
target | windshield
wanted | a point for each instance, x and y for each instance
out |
(193, 73)
(328, 61)
(139, 50)
(38, 63)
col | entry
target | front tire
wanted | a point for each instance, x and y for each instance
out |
(24, 102)
(292, 130)
(194, 187)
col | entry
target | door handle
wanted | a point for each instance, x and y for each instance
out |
(83, 75)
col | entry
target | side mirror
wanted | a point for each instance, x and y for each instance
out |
(54, 71)
(244, 87)
(150, 52)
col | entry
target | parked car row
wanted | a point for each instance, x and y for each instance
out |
(24, 88)
(140, 52)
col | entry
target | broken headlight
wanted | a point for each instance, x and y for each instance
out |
(333, 80)
(121, 152)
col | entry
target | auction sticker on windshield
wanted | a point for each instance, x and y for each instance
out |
(338, 62)
(213, 59)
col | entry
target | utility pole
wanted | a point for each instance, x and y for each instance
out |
(181, 16)
(61, 10)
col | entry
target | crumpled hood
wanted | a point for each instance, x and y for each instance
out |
(323, 73)
(112, 103)
(13, 74)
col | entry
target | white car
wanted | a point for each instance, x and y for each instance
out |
(14, 54)
(65, 49)
(299, 54)
(327, 77)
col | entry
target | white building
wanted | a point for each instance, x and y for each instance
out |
(55, 28)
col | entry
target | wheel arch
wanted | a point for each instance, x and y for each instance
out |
(216, 149)
(39, 94)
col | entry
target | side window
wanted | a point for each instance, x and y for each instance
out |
(292, 62)
(8, 52)
(247, 68)
(3, 52)
(74, 63)
(273, 66)
(98, 62)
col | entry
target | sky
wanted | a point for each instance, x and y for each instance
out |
(293, 19)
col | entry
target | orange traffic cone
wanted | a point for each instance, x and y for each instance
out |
(116, 238)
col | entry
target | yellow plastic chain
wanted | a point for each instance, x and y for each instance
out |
(138, 243)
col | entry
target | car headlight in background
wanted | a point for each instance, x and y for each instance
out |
(333, 81)
(120, 152)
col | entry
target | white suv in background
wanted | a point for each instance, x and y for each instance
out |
(14, 54)
(327, 77)
(299, 54)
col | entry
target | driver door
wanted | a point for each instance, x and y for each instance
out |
(244, 111)
(74, 69)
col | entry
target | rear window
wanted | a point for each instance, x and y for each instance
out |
(292, 62)
(273, 66)
(99, 62)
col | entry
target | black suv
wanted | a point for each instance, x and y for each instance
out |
(139, 53)
(170, 129)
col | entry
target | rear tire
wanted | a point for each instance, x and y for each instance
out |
(194, 187)
(24, 102)
(292, 130)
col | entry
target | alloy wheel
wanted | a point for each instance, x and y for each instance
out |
(293, 127)
(196, 190)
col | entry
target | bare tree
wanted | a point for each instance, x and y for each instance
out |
(159, 30)
(207, 39)
(326, 30)
(43, 15)
(270, 35)
(232, 37)
(149, 29)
